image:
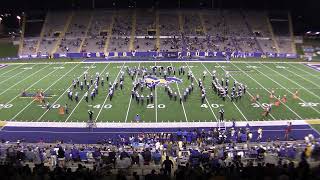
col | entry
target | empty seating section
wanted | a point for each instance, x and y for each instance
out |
(97, 32)
(75, 33)
(169, 23)
(185, 30)
(191, 23)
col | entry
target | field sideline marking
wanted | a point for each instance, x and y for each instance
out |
(228, 95)
(11, 70)
(135, 79)
(155, 96)
(267, 90)
(105, 61)
(24, 79)
(60, 96)
(105, 100)
(286, 90)
(303, 78)
(44, 91)
(127, 132)
(152, 124)
(184, 111)
(205, 98)
(14, 75)
(305, 71)
(293, 82)
(83, 97)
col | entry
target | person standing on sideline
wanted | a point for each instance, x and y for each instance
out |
(90, 115)
(137, 118)
(221, 114)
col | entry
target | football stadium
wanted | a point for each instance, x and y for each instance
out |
(159, 89)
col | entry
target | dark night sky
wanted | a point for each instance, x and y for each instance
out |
(307, 10)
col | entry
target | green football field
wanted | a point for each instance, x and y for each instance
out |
(260, 78)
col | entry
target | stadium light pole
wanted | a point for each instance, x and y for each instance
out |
(19, 20)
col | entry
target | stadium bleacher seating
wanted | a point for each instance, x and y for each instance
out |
(218, 30)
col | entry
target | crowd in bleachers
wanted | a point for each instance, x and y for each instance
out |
(215, 30)
(180, 155)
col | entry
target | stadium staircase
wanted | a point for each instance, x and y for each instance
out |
(42, 33)
(222, 125)
(86, 33)
(275, 43)
(293, 44)
(61, 35)
(251, 31)
(107, 42)
(158, 31)
(23, 27)
(181, 22)
(133, 31)
(203, 24)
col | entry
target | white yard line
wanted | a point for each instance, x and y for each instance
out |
(105, 100)
(7, 79)
(11, 70)
(292, 81)
(184, 111)
(131, 96)
(83, 97)
(205, 98)
(19, 95)
(43, 91)
(250, 94)
(303, 78)
(155, 97)
(286, 90)
(24, 80)
(267, 90)
(305, 71)
(228, 95)
(58, 98)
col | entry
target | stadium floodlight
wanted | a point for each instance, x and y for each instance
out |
(19, 19)
(317, 33)
(0, 20)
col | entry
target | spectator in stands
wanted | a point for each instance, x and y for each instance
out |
(156, 157)
(168, 165)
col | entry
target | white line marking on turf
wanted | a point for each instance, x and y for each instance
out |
(267, 89)
(293, 82)
(105, 100)
(59, 98)
(155, 97)
(24, 79)
(251, 95)
(303, 78)
(31, 86)
(184, 111)
(44, 91)
(131, 97)
(205, 98)
(289, 92)
(305, 71)
(11, 70)
(7, 79)
(83, 97)
(228, 95)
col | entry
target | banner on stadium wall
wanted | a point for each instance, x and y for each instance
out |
(218, 54)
